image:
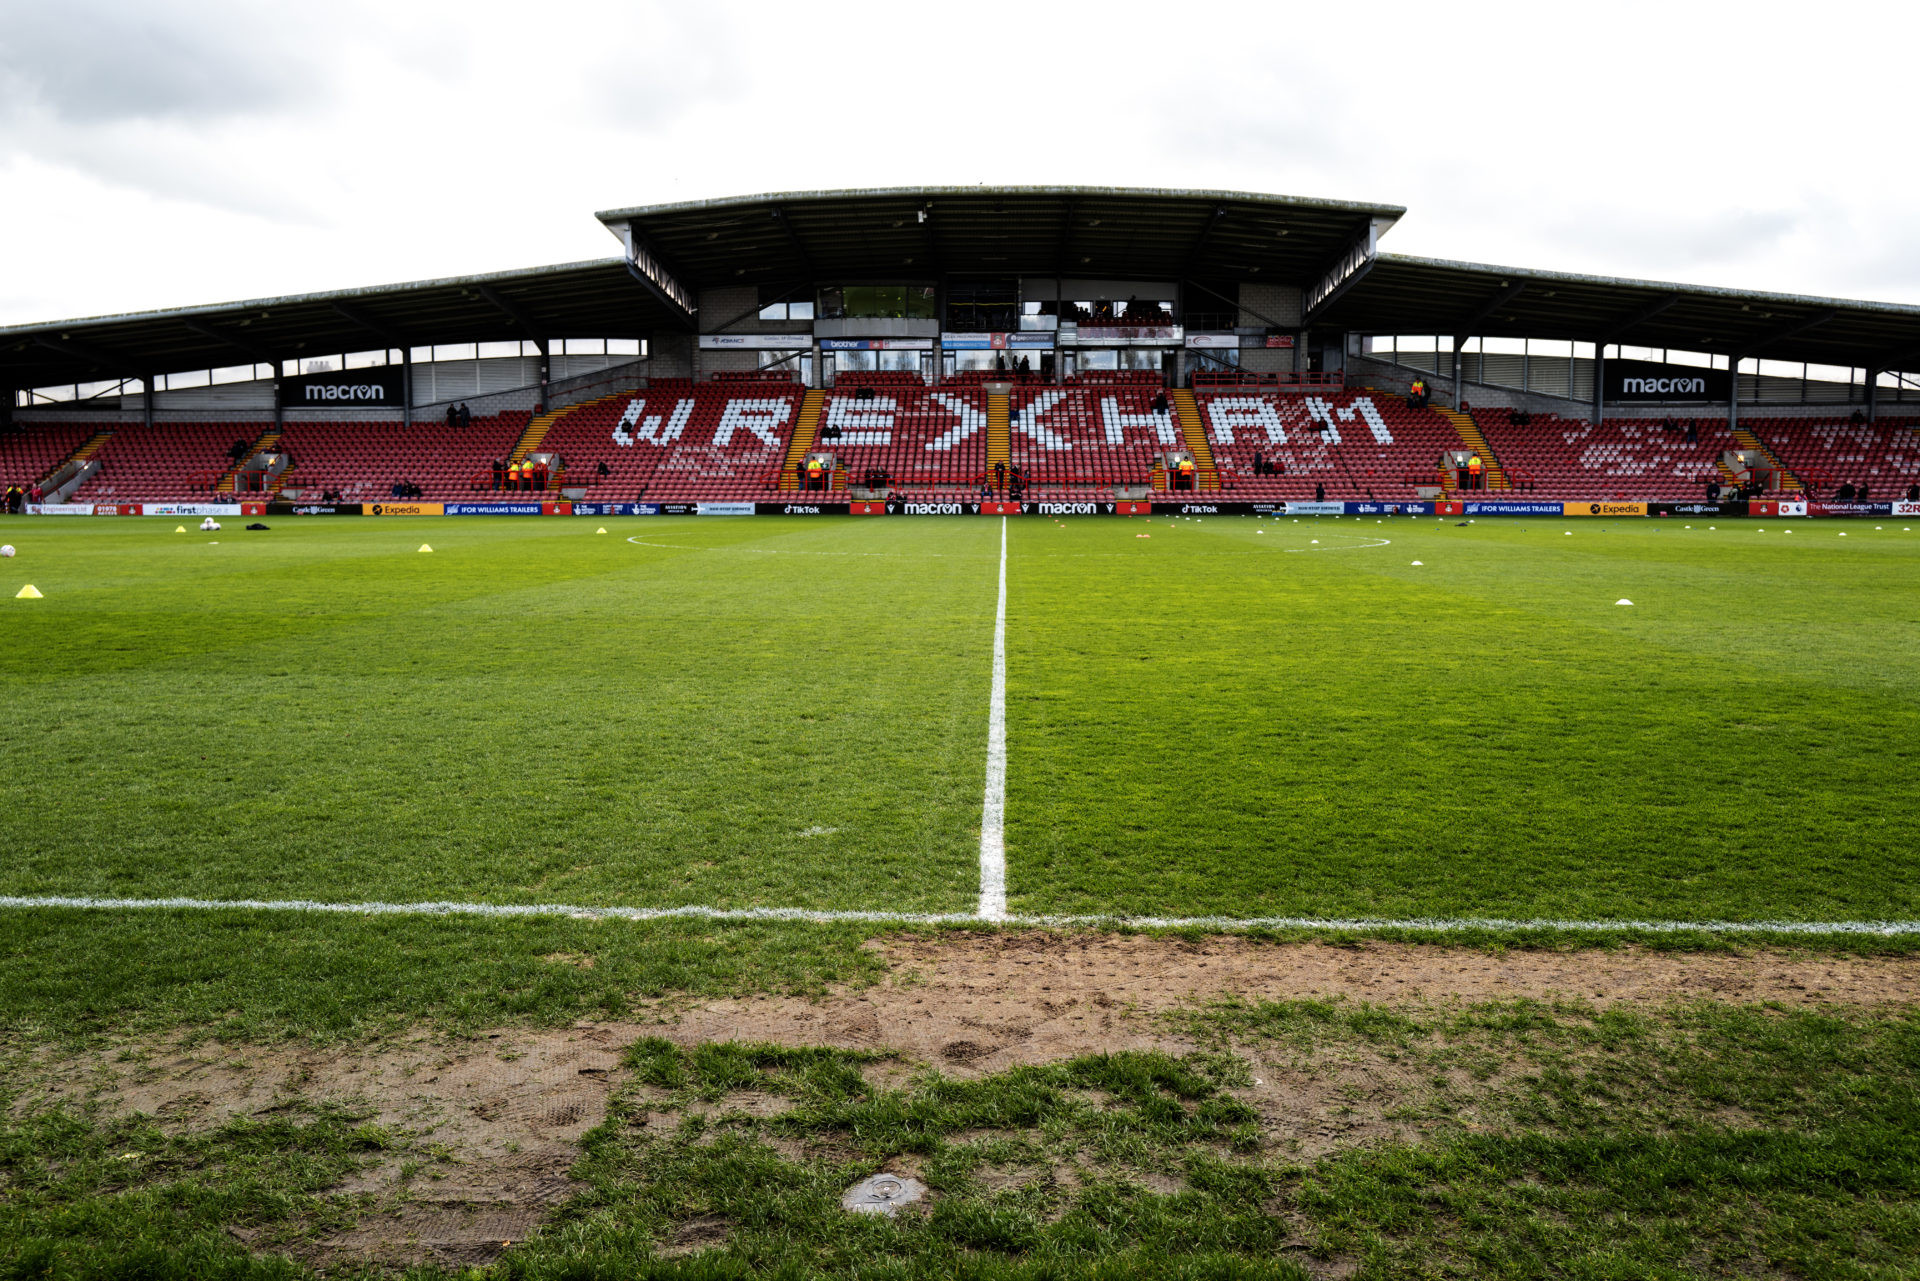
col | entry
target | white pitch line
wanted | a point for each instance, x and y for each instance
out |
(993, 806)
(1420, 925)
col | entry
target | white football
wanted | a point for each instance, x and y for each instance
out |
(7, 550)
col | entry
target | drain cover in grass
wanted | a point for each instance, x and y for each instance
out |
(882, 1194)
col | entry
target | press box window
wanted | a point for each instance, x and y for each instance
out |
(787, 311)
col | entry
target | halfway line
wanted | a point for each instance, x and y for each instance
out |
(1417, 925)
(993, 808)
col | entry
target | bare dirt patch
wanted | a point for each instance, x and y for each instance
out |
(981, 1002)
(490, 1126)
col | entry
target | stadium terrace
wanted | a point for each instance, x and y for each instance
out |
(900, 351)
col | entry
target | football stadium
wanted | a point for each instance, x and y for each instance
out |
(965, 731)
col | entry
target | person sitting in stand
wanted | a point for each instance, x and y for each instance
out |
(1160, 402)
(600, 468)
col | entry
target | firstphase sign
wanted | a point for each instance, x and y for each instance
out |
(378, 386)
(1631, 380)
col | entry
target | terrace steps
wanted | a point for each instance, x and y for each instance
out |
(541, 424)
(999, 433)
(1788, 482)
(1471, 436)
(85, 450)
(268, 439)
(1195, 434)
(805, 429)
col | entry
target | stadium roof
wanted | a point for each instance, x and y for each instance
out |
(1212, 238)
(1405, 295)
(907, 233)
(597, 299)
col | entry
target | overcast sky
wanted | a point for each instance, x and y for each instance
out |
(170, 152)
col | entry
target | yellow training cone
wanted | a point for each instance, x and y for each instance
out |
(599, 531)
(179, 529)
(29, 592)
(425, 548)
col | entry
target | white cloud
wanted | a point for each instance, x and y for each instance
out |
(168, 153)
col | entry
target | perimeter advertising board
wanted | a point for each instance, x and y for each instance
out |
(491, 509)
(1513, 509)
(403, 509)
(800, 509)
(205, 509)
(1906, 509)
(1791, 507)
(1849, 509)
(1603, 509)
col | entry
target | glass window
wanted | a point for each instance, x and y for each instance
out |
(1096, 359)
(800, 310)
(774, 311)
(877, 302)
(906, 360)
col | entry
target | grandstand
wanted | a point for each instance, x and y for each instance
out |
(1083, 343)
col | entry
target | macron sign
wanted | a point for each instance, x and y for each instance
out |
(380, 385)
(1645, 380)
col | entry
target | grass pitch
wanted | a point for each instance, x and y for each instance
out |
(1231, 717)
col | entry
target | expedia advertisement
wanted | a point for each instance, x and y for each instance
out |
(404, 509)
(1603, 509)
(1649, 381)
(379, 387)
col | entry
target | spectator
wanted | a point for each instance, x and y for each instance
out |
(1319, 492)
(1846, 492)
(499, 472)
(1693, 432)
(466, 415)
(1159, 402)
(237, 450)
(453, 415)
(600, 468)
(1860, 494)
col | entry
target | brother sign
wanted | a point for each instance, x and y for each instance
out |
(1644, 380)
(378, 386)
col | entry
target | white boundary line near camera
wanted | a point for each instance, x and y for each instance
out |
(1414, 925)
(993, 804)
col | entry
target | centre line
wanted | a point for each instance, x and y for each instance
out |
(993, 808)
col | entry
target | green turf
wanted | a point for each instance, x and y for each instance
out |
(532, 712)
(1224, 718)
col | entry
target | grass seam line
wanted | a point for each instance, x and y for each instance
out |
(993, 805)
(1227, 924)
